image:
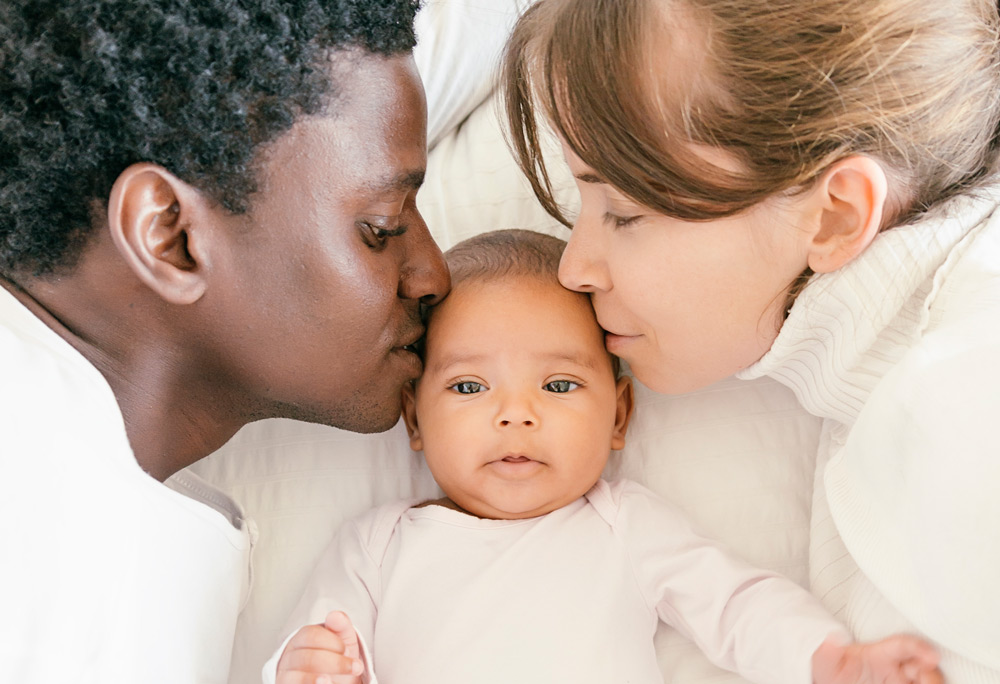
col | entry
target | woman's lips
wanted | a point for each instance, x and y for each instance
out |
(616, 344)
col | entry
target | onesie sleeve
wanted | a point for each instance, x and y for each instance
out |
(347, 578)
(750, 621)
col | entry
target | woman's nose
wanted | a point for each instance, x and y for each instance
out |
(581, 267)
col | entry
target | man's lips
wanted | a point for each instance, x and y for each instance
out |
(406, 351)
(410, 340)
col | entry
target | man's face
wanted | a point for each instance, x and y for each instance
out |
(324, 277)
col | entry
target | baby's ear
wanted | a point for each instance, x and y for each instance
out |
(410, 416)
(623, 411)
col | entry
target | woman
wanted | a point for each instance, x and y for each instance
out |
(804, 189)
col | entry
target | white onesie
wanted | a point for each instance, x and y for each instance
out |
(439, 596)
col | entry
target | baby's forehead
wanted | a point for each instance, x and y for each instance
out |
(508, 294)
(485, 290)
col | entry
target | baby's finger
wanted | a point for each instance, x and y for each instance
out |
(306, 678)
(316, 636)
(310, 678)
(906, 647)
(338, 679)
(930, 676)
(890, 675)
(338, 623)
(318, 661)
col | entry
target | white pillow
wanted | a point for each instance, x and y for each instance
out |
(737, 455)
(458, 48)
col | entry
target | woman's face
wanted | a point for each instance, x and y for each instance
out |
(684, 303)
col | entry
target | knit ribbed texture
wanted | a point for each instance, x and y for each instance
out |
(846, 331)
(847, 328)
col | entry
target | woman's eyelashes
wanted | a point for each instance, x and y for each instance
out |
(621, 221)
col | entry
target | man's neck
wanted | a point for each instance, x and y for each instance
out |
(173, 415)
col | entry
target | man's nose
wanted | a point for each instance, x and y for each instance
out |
(425, 275)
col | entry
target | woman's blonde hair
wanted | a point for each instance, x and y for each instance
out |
(786, 87)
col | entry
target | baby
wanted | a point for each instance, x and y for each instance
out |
(533, 568)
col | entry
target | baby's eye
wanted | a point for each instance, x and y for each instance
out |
(560, 386)
(468, 387)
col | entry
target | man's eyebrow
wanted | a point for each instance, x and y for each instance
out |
(590, 178)
(401, 182)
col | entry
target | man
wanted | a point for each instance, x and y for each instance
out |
(207, 217)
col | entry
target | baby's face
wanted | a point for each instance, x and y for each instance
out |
(518, 406)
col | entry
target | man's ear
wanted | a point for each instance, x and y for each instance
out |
(150, 215)
(623, 411)
(410, 416)
(851, 197)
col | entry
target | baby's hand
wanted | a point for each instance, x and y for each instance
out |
(322, 654)
(899, 659)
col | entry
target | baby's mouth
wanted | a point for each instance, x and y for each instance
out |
(515, 459)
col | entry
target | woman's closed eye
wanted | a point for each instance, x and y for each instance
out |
(560, 386)
(621, 221)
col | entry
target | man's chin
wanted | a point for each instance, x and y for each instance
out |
(364, 417)
(369, 427)
(361, 413)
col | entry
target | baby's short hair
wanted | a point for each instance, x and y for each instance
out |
(501, 253)
(511, 252)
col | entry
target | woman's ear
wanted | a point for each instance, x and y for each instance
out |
(410, 416)
(150, 217)
(851, 198)
(623, 411)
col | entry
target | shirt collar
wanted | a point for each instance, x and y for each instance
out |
(847, 328)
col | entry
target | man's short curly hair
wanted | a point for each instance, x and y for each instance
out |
(88, 87)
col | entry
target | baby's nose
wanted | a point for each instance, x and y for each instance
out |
(516, 410)
(504, 422)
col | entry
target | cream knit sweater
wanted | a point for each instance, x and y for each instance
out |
(899, 352)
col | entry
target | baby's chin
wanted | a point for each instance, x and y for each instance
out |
(508, 510)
